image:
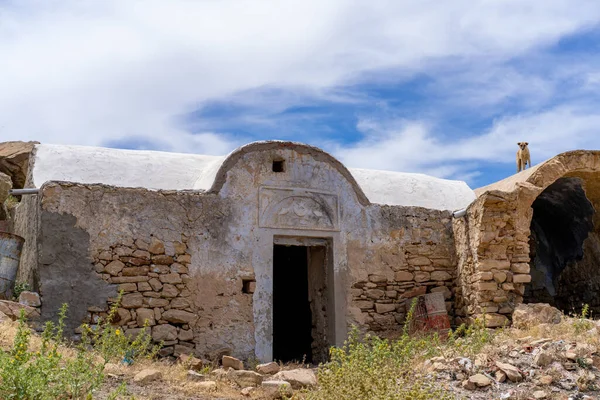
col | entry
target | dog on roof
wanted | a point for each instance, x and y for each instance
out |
(523, 156)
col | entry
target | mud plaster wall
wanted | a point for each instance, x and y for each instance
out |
(181, 257)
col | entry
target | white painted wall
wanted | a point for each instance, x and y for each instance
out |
(173, 171)
(122, 168)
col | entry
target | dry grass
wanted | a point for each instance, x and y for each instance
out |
(175, 386)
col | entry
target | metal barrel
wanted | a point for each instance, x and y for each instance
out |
(10, 255)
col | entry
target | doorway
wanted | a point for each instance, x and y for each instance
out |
(564, 248)
(301, 327)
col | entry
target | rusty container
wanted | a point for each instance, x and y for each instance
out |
(10, 255)
(430, 315)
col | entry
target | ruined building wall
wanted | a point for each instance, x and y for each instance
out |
(499, 225)
(185, 259)
(409, 252)
(96, 240)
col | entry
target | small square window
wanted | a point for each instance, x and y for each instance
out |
(248, 286)
(279, 166)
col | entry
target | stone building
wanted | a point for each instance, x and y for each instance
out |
(275, 250)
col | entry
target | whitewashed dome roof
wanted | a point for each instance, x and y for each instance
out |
(157, 170)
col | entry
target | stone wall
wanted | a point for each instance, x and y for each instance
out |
(495, 270)
(199, 265)
(168, 252)
(413, 254)
(493, 239)
(154, 291)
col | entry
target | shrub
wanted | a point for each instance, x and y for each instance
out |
(581, 322)
(27, 373)
(51, 370)
(20, 287)
(112, 344)
(368, 367)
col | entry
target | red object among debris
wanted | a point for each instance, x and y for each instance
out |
(430, 315)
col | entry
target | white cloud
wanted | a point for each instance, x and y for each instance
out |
(92, 72)
(414, 146)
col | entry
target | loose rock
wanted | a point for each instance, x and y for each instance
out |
(298, 378)
(147, 376)
(480, 380)
(232, 362)
(526, 315)
(31, 299)
(511, 371)
(245, 378)
(268, 368)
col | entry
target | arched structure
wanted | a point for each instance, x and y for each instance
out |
(532, 237)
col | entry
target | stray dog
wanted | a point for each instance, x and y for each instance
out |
(523, 156)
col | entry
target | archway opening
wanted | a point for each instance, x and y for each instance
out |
(564, 248)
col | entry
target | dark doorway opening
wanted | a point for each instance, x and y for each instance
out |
(300, 303)
(562, 248)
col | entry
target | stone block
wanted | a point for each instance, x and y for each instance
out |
(245, 378)
(156, 246)
(128, 287)
(155, 284)
(169, 291)
(364, 305)
(179, 268)
(134, 271)
(141, 254)
(268, 368)
(170, 278)
(375, 293)
(179, 247)
(520, 268)
(186, 335)
(419, 261)
(179, 316)
(440, 276)
(184, 258)
(162, 260)
(489, 264)
(418, 291)
(298, 378)
(179, 302)
(143, 315)
(123, 316)
(164, 333)
(500, 277)
(403, 276)
(421, 276)
(129, 279)
(384, 308)
(232, 362)
(522, 278)
(487, 286)
(132, 300)
(114, 267)
(146, 376)
(31, 299)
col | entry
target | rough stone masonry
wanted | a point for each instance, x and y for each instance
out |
(190, 241)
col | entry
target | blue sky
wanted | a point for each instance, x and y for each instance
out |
(442, 88)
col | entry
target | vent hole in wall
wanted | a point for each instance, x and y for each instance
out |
(278, 166)
(248, 286)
